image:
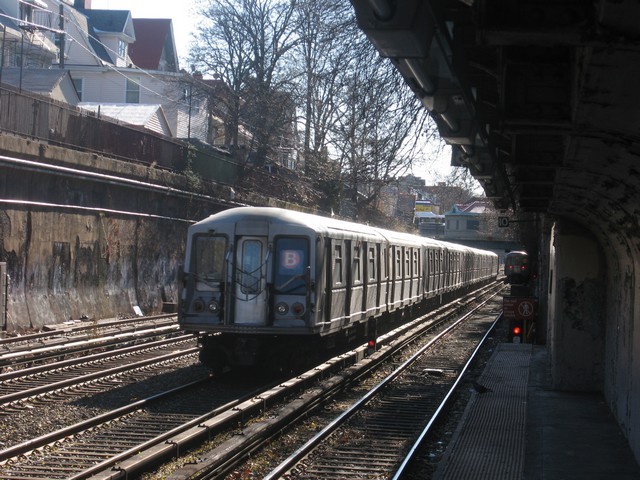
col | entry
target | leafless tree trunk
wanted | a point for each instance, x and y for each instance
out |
(244, 43)
(376, 126)
(360, 124)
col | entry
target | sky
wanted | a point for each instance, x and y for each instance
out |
(184, 19)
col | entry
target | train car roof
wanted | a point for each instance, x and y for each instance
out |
(276, 215)
(324, 225)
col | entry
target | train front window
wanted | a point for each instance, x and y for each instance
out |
(209, 261)
(251, 266)
(292, 259)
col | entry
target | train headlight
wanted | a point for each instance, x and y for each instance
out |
(198, 306)
(282, 308)
(297, 308)
(214, 307)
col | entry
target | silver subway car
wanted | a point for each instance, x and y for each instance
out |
(273, 287)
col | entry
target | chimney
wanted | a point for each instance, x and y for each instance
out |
(86, 4)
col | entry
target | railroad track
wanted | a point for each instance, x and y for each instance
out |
(63, 341)
(377, 436)
(20, 388)
(53, 456)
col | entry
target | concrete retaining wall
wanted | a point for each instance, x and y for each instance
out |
(593, 332)
(84, 235)
(64, 266)
(577, 303)
(87, 235)
(622, 340)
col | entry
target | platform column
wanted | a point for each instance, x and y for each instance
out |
(577, 308)
(4, 284)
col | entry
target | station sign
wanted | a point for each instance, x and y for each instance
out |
(519, 308)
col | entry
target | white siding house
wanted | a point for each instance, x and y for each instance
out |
(101, 65)
(99, 51)
(33, 22)
(150, 117)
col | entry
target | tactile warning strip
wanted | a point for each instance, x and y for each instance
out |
(490, 440)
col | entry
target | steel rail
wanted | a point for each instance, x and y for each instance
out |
(225, 457)
(312, 443)
(400, 472)
(50, 367)
(84, 379)
(65, 330)
(80, 344)
(30, 445)
(123, 467)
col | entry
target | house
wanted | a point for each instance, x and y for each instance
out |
(464, 222)
(53, 83)
(154, 48)
(101, 51)
(150, 117)
(115, 60)
(33, 22)
(108, 33)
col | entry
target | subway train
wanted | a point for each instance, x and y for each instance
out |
(277, 288)
(517, 268)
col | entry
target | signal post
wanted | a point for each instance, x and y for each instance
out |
(521, 313)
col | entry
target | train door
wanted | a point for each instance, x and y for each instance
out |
(338, 299)
(384, 268)
(249, 290)
(356, 281)
(397, 276)
(371, 278)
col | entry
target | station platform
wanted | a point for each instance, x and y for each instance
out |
(521, 429)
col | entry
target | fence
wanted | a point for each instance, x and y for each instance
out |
(30, 115)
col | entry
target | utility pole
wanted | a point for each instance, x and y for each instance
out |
(4, 42)
(61, 42)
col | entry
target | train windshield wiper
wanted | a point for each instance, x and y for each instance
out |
(303, 276)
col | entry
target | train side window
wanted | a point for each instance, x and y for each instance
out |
(371, 268)
(208, 261)
(356, 265)
(415, 263)
(337, 265)
(398, 262)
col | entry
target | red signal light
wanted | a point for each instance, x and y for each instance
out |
(371, 347)
(517, 330)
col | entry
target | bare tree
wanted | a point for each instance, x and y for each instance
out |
(375, 130)
(243, 43)
(221, 50)
(360, 124)
(322, 54)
